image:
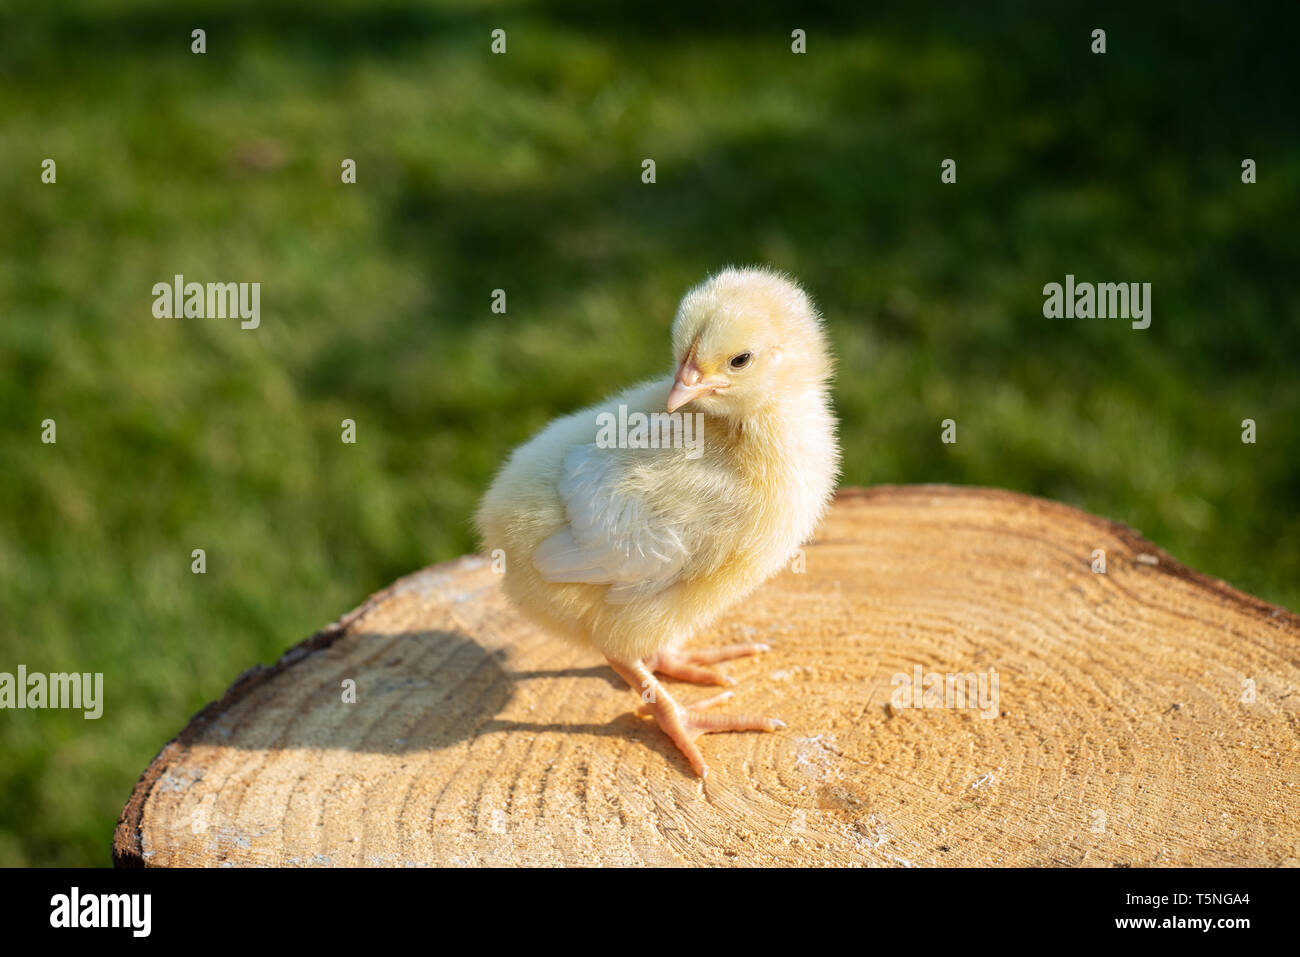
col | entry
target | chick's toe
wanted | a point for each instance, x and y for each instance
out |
(684, 664)
(684, 725)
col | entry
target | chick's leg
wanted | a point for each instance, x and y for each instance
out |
(684, 724)
(684, 663)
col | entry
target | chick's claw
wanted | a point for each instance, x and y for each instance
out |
(684, 725)
(684, 664)
(648, 710)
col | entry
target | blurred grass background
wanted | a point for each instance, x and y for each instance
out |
(523, 172)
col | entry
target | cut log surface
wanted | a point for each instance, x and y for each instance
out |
(1145, 716)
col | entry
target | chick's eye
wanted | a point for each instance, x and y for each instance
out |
(740, 361)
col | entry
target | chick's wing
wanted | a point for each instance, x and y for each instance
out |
(637, 521)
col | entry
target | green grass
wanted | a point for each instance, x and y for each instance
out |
(523, 172)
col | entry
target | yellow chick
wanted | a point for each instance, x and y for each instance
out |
(631, 525)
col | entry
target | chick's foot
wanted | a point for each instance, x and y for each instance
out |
(684, 663)
(684, 725)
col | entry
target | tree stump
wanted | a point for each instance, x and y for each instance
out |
(1147, 715)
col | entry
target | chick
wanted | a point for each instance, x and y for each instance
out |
(633, 550)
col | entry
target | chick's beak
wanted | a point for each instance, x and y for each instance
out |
(690, 385)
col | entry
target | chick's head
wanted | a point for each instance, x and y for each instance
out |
(744, 341)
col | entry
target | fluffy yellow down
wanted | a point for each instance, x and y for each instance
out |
(686, 537)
